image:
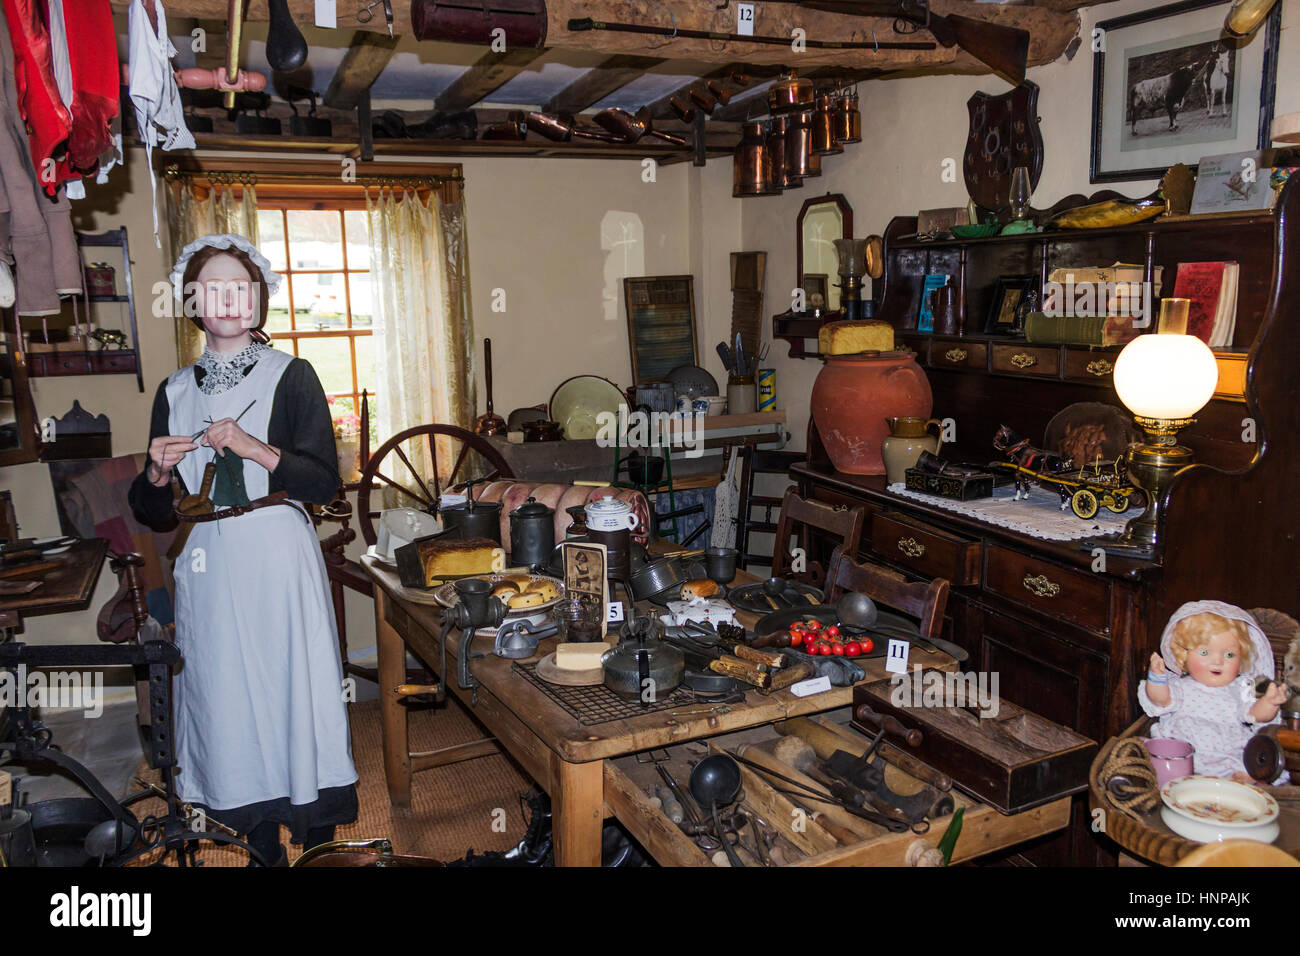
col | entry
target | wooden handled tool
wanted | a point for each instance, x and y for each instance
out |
(887, 724)
(769, 659)
(836, 814)
(411, 690)
(825, 740)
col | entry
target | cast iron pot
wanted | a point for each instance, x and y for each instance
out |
(643, 469)
(542, 431)
(532, 533)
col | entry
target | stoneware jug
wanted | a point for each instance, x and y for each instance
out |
(908, 437)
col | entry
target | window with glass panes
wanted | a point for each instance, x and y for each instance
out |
(323, 310)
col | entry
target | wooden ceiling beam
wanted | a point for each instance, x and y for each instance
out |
(490, 73)
(1050, 27)
(599, 82)
(366, 58)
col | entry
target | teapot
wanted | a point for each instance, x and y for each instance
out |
(641, 666)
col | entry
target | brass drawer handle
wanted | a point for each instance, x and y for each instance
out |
(956, 355)
(1021, 360)
(911, 547)
(1041, 587)
(1100, 367)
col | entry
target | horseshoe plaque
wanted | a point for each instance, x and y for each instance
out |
(1003, 134)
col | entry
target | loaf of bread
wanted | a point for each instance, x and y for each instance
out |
(853, 336)
(521, 591)
(699, 588)
(441, 558)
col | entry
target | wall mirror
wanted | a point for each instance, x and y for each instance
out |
(822, 220)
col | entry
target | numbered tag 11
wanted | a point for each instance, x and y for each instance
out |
(896, 656)
(614, 612)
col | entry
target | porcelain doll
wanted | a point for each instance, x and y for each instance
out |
(1202, 684)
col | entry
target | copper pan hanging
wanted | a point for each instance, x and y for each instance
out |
(792, 93)
(823, 128)
(562, 128)
(776, 137)
(629, 128)
(751, 170)
(848, 121)
(798, 146)
(684, 113)
(703, 101)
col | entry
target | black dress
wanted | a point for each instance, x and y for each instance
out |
(301, 429)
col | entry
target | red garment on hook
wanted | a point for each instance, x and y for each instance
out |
(73, 139)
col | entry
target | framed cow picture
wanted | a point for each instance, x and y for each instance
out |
(1169, 86)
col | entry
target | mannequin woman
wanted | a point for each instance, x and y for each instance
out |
(261, 725)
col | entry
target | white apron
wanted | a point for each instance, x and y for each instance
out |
(259, 701)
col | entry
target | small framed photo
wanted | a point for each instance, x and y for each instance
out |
(1168, 86)
(933, 281)
(1010, 297)
(816, 291)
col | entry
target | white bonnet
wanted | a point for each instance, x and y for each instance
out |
(1262, 663)
(223, 240)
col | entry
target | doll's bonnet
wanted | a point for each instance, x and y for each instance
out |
(1261, 664)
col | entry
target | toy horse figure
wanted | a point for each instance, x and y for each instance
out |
(1027, 456)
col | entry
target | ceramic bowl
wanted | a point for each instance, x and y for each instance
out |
(693, 381)
(578, 402)
(717, 404)
(1213, 809)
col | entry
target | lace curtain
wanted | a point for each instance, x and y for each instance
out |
(188, 218)
(423, 331)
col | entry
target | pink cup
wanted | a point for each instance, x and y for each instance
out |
(1171, 758)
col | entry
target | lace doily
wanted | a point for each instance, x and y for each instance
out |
(224, 372)
(1039, 515)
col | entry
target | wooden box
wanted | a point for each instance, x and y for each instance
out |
(1013, 760)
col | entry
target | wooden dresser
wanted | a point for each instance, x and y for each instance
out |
(1070, 641)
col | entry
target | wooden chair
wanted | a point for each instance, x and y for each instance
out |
(1238, 853)
(921, 600)
(843, 523)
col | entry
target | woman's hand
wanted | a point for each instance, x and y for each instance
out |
(226, 434)
(165, 452)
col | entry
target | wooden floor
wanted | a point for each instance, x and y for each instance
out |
(453, 809)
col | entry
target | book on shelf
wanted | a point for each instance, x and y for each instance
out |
(1095, 330)
(1211, 288)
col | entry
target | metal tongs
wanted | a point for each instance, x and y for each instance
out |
(365, 14)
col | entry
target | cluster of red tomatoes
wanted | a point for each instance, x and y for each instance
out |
(826, 640)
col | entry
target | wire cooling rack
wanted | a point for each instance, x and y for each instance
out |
(598, 704)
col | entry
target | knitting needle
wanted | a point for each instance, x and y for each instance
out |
(202, 431)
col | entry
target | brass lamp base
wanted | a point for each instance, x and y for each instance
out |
(1151, 465)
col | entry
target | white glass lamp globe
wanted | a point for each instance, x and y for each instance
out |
(1165, 375)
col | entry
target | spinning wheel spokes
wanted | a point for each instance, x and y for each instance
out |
(378, 470)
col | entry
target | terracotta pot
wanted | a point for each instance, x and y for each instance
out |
(852, 397)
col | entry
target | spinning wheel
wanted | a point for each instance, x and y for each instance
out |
(415, 492)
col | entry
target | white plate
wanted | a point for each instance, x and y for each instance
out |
(1212, 809)
(446, 594)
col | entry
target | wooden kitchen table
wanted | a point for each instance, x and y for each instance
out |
(567, 758)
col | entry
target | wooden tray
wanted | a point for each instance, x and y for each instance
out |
(1014, 761)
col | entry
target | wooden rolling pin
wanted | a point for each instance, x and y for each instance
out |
(825, 741)
(833, 812)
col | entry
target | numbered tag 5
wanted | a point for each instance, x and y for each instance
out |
(614, 612)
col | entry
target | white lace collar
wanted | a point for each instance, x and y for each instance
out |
(223, 372)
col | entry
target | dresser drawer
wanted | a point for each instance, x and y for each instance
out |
(920, 344)
(1090, 366)
(1060, 592)
(1027, 359)
(927, 550)
(958, 353)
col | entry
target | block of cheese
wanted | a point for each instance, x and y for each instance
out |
(580, 657)
(852, 336)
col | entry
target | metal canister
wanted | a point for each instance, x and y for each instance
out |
(532, 534)
(767, 389)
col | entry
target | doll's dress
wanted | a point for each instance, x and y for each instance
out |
(1214, 720)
